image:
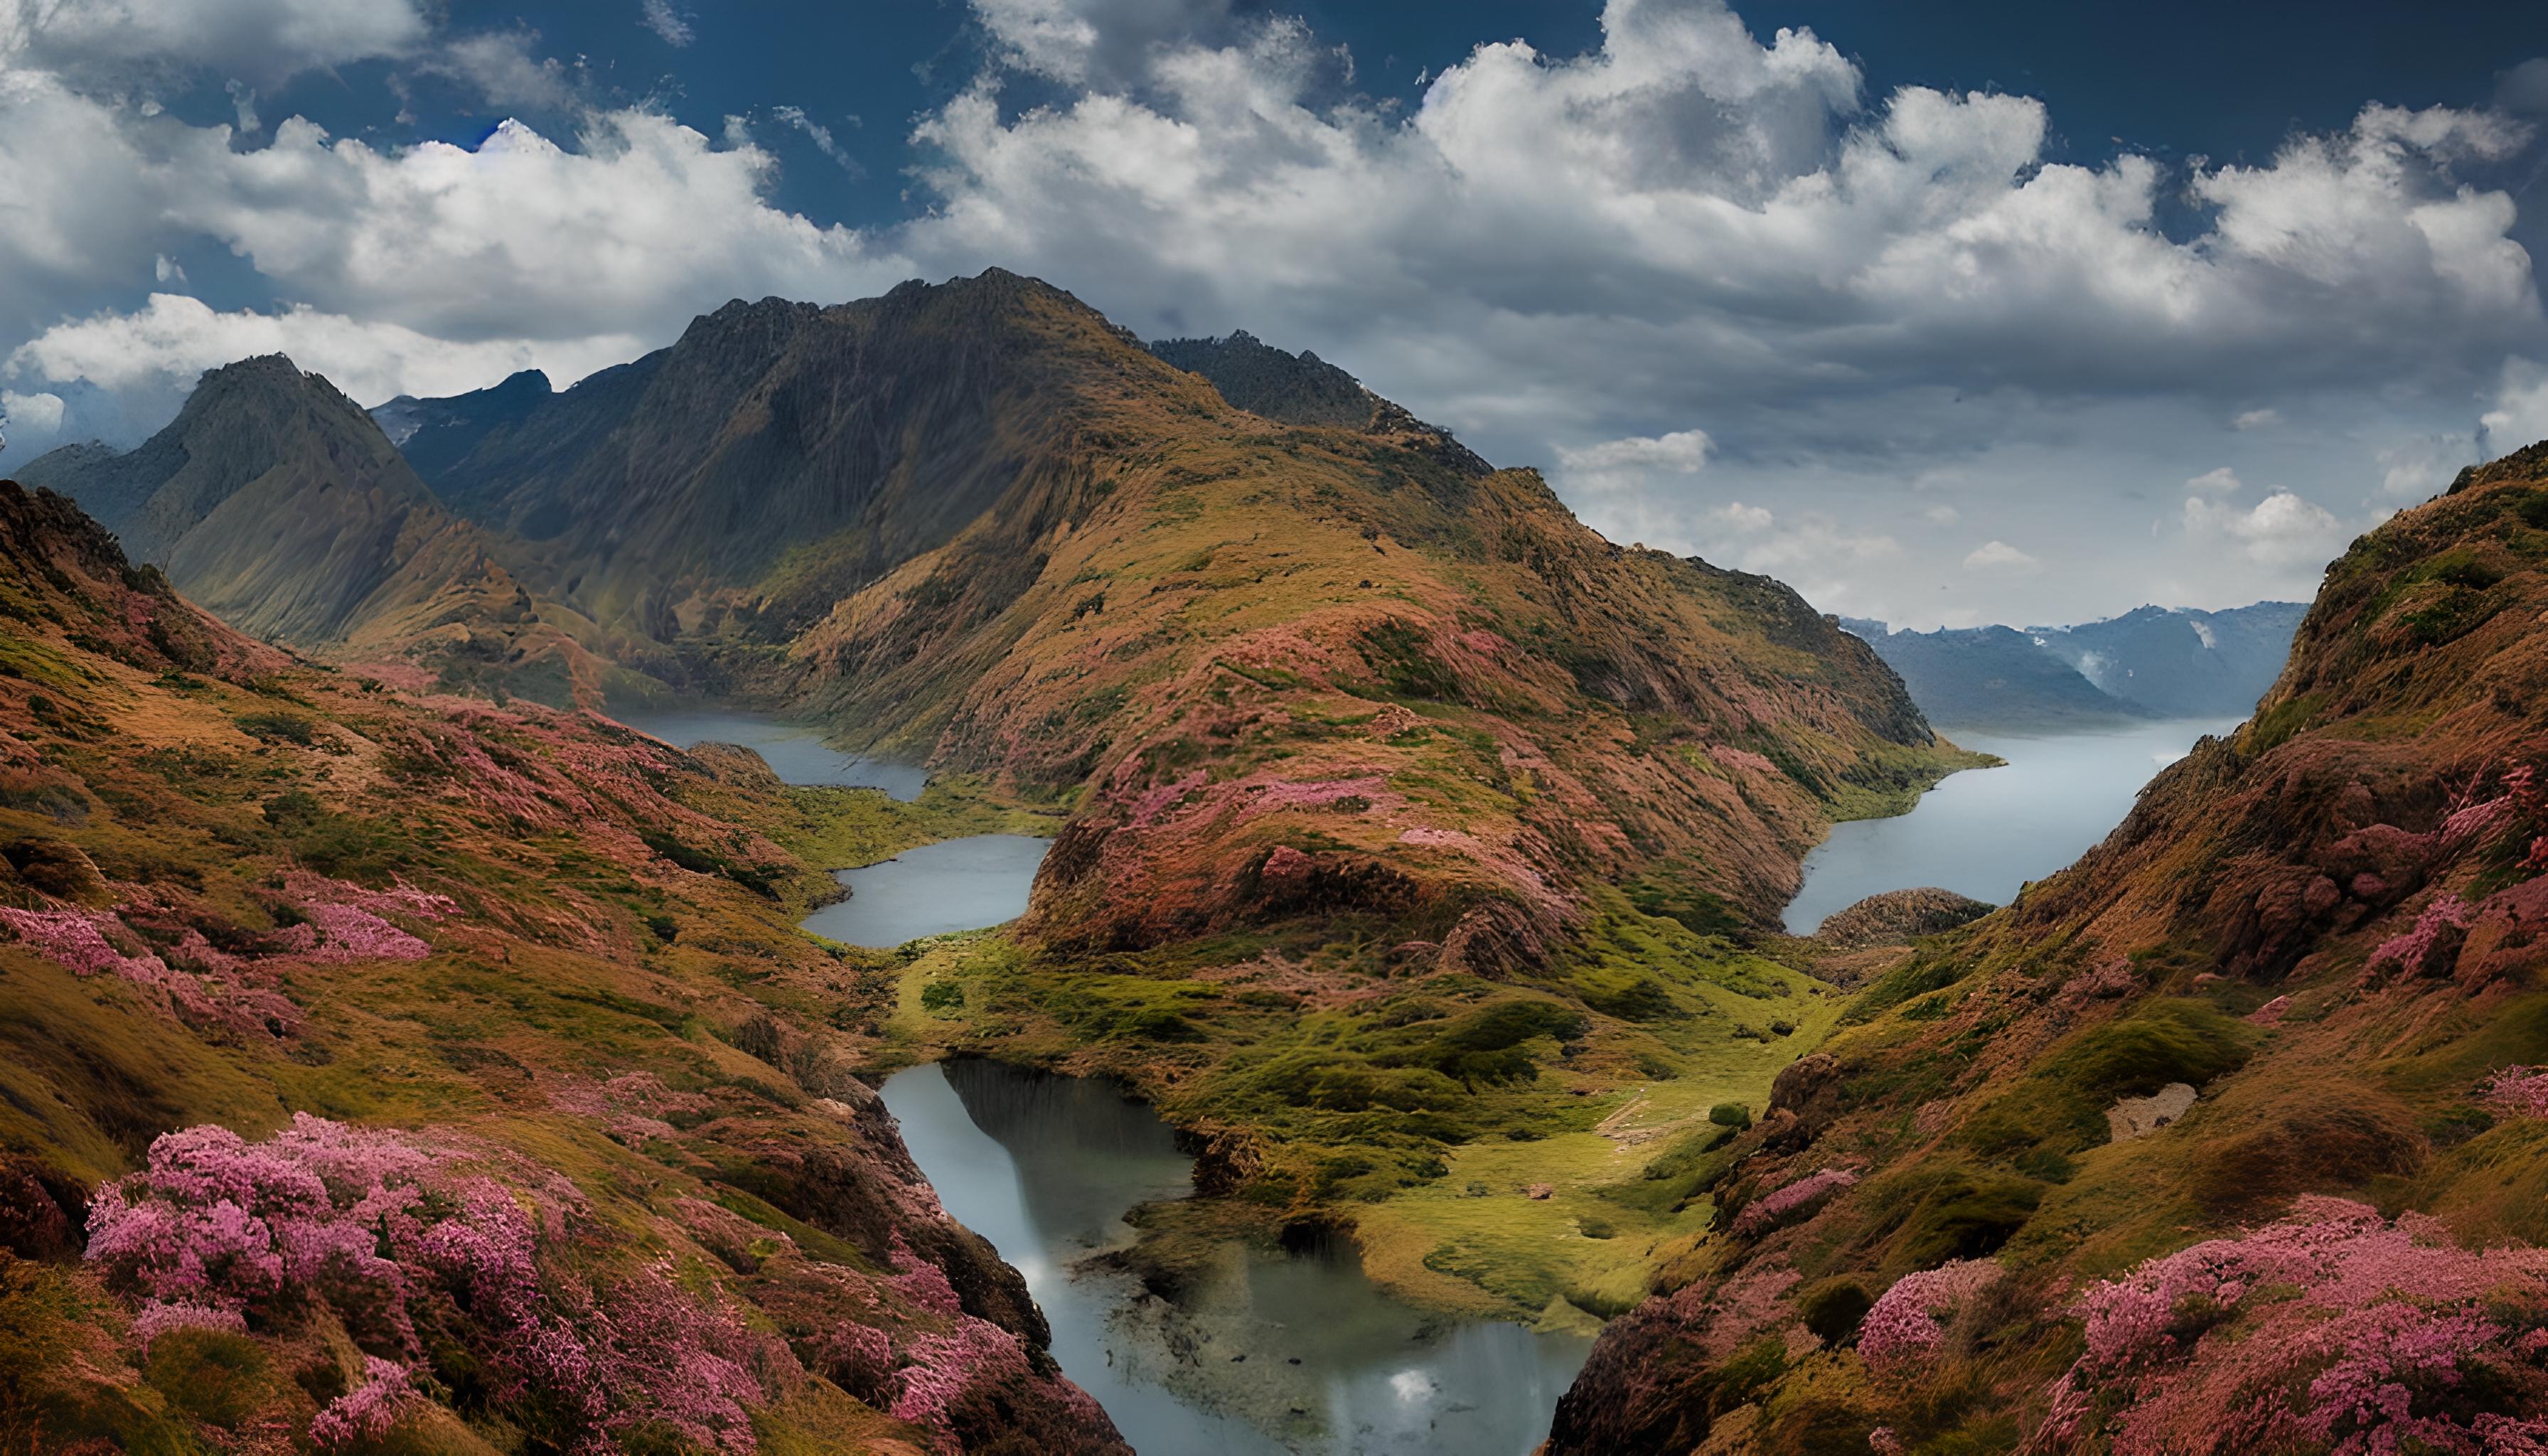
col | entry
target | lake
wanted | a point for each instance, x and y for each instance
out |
(1984, 832)
(795, 752)
(954, 884)
(1276, 1354)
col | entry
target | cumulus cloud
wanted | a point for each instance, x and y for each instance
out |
(2218, 482)
(173, 339)
(261, 42)
(502, 67)
(1622, 465)
(2418, 467)
(1998, 556)
(2257, 420)
(2281, 530)
(1741, 517)
(30, 419)
(2521, 414)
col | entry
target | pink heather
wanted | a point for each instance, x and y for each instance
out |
(1904, 1327)
(2333, 1327)
(944, 1366)
(368, 1411)
(158, 1319)
(1772, 1209)
(2410, 951)
(2519, 1090)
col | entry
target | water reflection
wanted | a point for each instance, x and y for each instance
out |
(1277, 1354)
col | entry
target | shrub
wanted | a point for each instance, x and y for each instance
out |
(1730, 1115)
(278, 727)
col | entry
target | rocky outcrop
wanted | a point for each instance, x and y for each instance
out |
(1900, 915)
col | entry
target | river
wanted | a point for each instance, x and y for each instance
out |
(1984, 832)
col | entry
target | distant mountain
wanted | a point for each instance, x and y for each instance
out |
(2183, 664)
(2150, 662)
(1992, 677)
(273, 501)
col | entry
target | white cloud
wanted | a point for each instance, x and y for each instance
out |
(261, 42)
(2521, 414)
(2418, 467)
(2257, 419)
(31, 418)
(669, 26)
(500, 66)
(1741, 517)
(2282, 530)
(2220, 482)
(1999, 556)
(1633, 463)
(815, 132)
(1942, 516)
(166, 345)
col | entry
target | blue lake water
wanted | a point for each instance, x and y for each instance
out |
(1985, 832)
(795, 752)
(954, 884)
(1292, 1353)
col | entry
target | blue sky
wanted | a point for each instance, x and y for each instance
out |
(1944, 312)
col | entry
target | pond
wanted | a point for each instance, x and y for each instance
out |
(795, 752)
(1273, 1354)
(1985, 832)
(954, 884)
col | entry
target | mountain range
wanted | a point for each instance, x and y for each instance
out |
(2150, 663)
(1417, 852)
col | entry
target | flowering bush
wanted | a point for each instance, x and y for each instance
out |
(1774, 1208)
(2519, 1090)
(1904, 1327)
(2332, 1328)
(386, 1231)
(2437, 933)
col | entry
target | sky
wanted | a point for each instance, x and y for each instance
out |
(1943, 314)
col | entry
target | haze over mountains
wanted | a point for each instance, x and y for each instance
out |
(2150, 663)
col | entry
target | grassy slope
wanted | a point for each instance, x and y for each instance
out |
(1968, 1085)
(156, 766)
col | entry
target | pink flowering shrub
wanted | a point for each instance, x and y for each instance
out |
(943, 1367)
(1904, 1327)
(1775, 1208)
(76, 940)
(923, 1283)
(2519, 1090)
(388, 1234)
(2435, 936)
(368, 1411)
(2332, 1328)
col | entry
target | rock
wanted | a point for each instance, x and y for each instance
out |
(2138, 1117)
(1542, 1191)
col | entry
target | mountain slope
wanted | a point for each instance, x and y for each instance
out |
(2180, 663)
(273, 501)
(445, 1114)
(1992, 677)
(2295, 996)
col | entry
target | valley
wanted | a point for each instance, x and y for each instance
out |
(1420, 862)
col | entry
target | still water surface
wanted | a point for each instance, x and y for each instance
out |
(954, 884)
(1293, 1353)
(795, 752)
(1985, 832)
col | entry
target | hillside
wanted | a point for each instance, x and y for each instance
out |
(404, 1074)
(1363, 744)
(2226, 1138)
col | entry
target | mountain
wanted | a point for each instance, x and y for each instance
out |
(275, 502)
(1992, 677)
(2150, 663)
(2183, 664)
(1398, 812)
(1304, 388)
(2224, 1139)
(378, 1072)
